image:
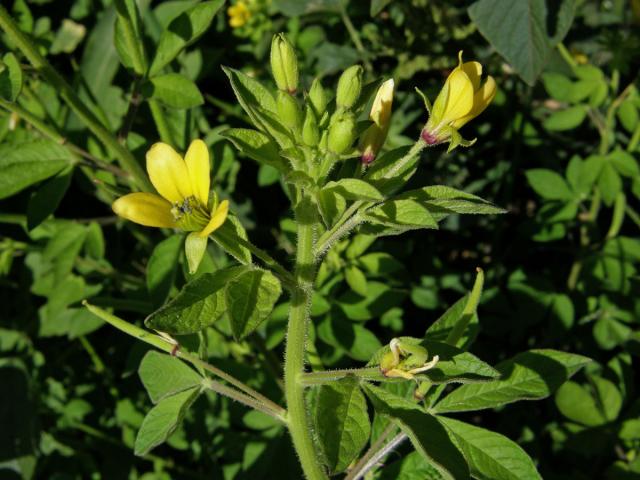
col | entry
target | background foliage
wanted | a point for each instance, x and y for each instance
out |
(558, 148)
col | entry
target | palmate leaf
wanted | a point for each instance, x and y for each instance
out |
(531, 375)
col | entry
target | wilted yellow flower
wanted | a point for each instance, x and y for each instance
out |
(183, 185)
(462, 98)
(373, 138)
(239, 14)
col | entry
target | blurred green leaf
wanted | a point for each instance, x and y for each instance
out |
(164, 375)
(10, 77)
(174, 90)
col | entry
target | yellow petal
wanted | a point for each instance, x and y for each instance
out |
(459, 99)
(474, 72)
(481, 100)
(168, 173)
(381, 107)
(147, 209)
(197, 160)
(217, 219)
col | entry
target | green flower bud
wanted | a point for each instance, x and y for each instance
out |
(310, 131)
(288, 110)
(318, 97)
(349, 87)
(284, 64)
(342, 133)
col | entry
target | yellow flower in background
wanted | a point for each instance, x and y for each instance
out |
(462, 98)
(239, 14)
(183, 185)
(373, 138)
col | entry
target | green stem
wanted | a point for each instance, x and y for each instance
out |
(299, 424)
(567, 56)
(355, 37)
(287, 279)
(320, 378)
(351, 218)
(161, 123)
(250, 402)
(125, 158)
(166, 345)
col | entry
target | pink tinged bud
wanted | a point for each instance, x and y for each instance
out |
(368, 157)
(429, 137)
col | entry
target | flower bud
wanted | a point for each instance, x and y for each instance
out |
(349, 87)
(318, 97)
(288, 110)
(310, 131)
(342, 133)
(284, 64)
(373, 138)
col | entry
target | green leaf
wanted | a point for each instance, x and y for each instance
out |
(609, 183)
(401, 215)
(548, 184)
(199, 304)
(332, 206)
(377, 6)
(624, 163)
(182, 32)
(47, 197)
(529, 375)
(609, 396)
(251, 94)
(519, 30)
(174, 90)
(226, 237)
(10, 77)
(354, 189)
(162, 420)
(441, 201)
(164, 375)
(490, 455)
(342, 423)
(356, 280)
(68, 37)
(566, 119)
(427, 435)
(442, 327)
(557, 85)
(578, 405)
(410, 467)
(257, 146)
(386, 162)
(24, 164)
(250, 299)
(162, 268)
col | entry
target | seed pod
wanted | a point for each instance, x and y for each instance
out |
(284, 64)
(349, 87)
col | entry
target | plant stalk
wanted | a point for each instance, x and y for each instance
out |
(299, 422)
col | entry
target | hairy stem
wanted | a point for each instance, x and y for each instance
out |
(299, 422)
(166, 345)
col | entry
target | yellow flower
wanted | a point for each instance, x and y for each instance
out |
(183, 186)
(373, 138)
(239, 14)
(462, 98)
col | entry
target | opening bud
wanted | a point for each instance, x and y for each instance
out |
(349, 87)
(284, 64)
